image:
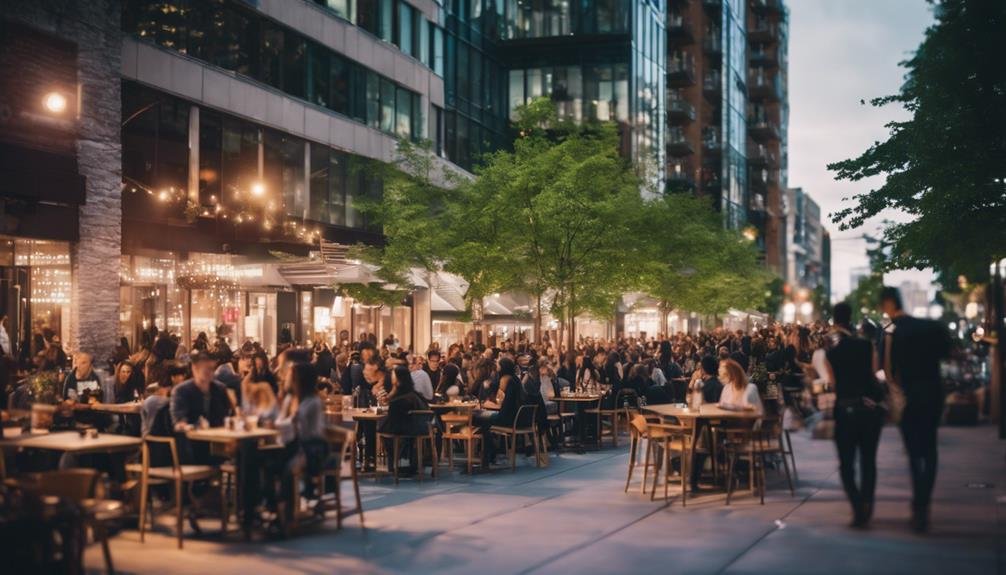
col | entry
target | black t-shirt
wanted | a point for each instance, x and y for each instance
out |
(711, 390)
(851, 360)
(917, 346)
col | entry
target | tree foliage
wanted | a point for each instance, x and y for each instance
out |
(945, 166)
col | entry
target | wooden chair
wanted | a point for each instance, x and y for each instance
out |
(423, 417)
(755, 443)
(638, 433)
(80, 486)
(667, 441)
(525, 424)
(177, 475)
(459, 428)
(611, 416)
(340, 465)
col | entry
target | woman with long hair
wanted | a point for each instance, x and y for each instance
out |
(737, 390)
(506, 403)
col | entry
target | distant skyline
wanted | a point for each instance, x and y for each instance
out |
(841, 53)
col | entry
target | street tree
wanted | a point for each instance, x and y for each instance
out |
(944, 167)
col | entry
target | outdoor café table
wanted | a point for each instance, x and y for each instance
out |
(581, 402)
(366, 429)
(72, 442)
(131, 408)
(245, 441)
(459, 406)
(706, 414)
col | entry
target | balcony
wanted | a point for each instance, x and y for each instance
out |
(765, 87)
(759, 156)
(680, 177)
(762, 179)
(712, 45)
(762, 130)
(712, 85)
(763, 32)
(678, 144)
(711, 140)
(768, 7)
(764, 57)
(680, 71)
(679, 29)
(679, 111)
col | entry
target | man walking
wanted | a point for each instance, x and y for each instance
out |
(913, 349)
(859, 416)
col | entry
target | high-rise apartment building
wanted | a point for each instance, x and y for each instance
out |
(727, 112)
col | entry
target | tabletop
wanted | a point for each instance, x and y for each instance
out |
(363, 415)
(227, 435)
(72, 442)
(590, 398)
(131, 408)
(705, 411)
(452, 406)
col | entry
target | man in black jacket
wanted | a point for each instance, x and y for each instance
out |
(201, 397)
(913, 349)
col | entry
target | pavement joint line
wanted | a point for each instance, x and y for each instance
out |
(603, 536)
(776, 524)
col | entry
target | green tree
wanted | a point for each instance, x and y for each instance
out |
(694, 263)
(945, 166)
(567, 208)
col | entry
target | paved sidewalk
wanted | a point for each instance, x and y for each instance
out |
(573, 518)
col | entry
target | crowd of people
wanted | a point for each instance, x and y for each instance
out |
(775, 370)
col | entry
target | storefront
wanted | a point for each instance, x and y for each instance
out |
(219, 295)
(335, 319)
(37, 285)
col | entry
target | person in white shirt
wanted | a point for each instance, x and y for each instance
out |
(420, 379)
(5, 337)
(737, 390)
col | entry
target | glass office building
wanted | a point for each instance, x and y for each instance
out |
(598, 61)
(733, 141)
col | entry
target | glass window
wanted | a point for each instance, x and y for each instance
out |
(271, 66)
(342, 8)
(387, 106)
(337, 188)
(367, 15)
(240, 145)
(405, 22)
(403, 113)
(516, 91)
(294, 65)
(422, 43)
(359, 102)
(139, 135)
(386, 20)
(464, 73)
(438, 129)
(339, 85)
(284, 171)
(319, 208)
(373, 100)
(353, 217)
(418, 117)
(320, 76)
(210, 156)
(438, 50)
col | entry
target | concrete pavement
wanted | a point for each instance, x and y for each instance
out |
(574, 518)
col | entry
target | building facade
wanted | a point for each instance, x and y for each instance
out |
(727, 112)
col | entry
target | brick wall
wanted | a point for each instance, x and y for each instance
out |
(94, 27)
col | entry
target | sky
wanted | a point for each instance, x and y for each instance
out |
(842, 52)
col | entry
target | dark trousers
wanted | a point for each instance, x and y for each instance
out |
(857, 433)
(919, 423)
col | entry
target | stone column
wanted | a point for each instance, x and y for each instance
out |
(94, 27)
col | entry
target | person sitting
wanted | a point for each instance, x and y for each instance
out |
(128, 383)
(737, 390)
(376, 374)
(301, 425)
(502, 409)
(423, 385)
(201, 400)
(704, 380)
(450, 383)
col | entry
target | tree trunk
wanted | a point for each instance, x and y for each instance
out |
(663, 309)
(537, 320)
